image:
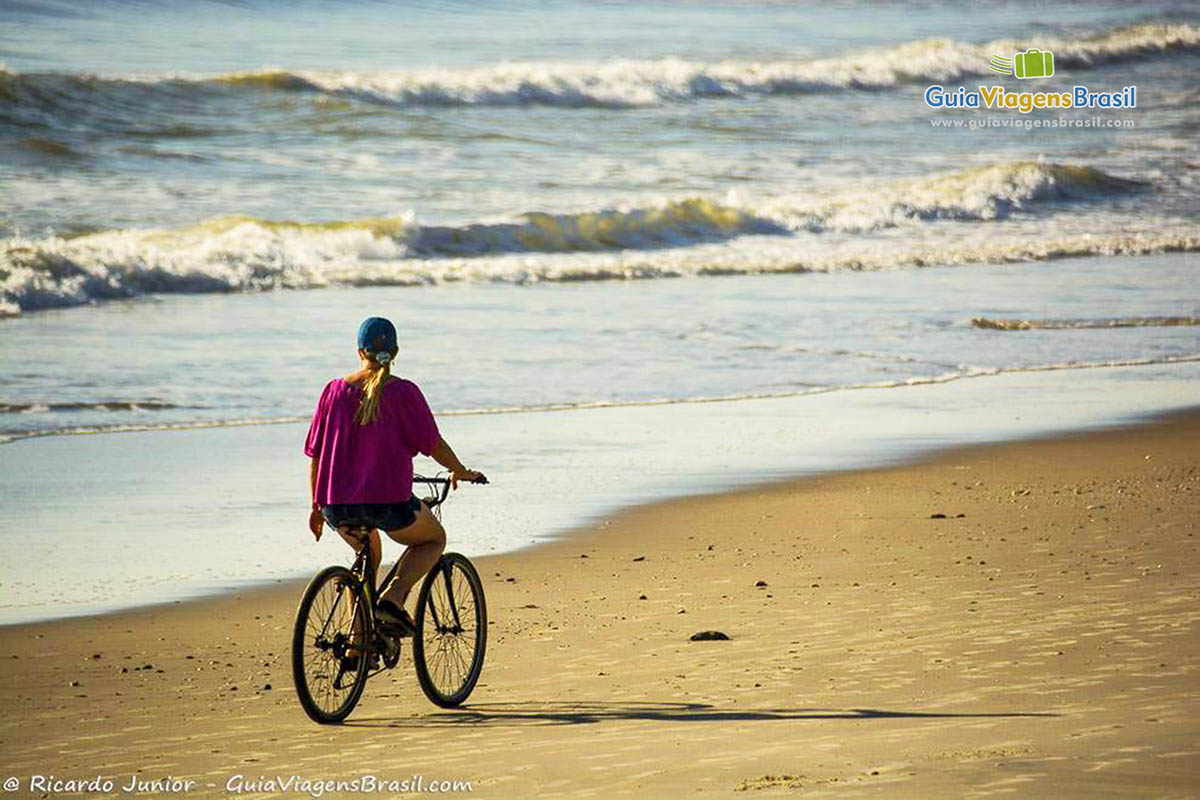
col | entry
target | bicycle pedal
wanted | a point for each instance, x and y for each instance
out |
(350, 663)
(397, 622)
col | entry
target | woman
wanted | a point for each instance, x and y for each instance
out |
(364, 434)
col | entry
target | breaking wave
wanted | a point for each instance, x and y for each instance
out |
(976, 195)
(239, 253)
(616, 84)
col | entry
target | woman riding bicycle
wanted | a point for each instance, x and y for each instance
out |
(364, 434)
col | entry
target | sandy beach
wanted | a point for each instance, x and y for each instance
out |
(1038, 639)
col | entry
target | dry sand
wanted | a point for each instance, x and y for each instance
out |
(1039, 641)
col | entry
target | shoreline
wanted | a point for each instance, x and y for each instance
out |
(1016, 648)
(11, 437)
(269, 586)
(224, 498)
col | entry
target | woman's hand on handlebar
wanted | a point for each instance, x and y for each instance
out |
(444, 455)
(467, 476)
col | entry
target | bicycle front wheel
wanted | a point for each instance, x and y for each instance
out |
(329, 658)
(451, 632)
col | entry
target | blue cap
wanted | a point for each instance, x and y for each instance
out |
(376, 335)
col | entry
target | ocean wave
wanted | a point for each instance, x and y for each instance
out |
(975, 195)
(239, 253)
(615, 84)
(98, 405)
(672, 224)
(1077, 324)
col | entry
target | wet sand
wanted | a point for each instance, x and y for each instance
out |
(1041, 638)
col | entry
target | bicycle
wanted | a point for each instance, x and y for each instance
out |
(337, 643)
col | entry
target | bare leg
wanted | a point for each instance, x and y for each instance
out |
(376, 548)
(426, 539)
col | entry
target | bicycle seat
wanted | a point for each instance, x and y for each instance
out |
(354, 528)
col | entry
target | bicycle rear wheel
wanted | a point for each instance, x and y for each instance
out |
(451, 632)
(331, 623)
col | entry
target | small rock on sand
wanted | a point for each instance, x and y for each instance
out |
(709, 636)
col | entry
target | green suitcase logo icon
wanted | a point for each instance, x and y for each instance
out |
(1033, 64)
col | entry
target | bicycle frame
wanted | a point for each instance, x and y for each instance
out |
(366, 574)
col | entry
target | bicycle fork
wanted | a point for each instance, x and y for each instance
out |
(457, 627)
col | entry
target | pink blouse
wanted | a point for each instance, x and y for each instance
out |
(369, 463)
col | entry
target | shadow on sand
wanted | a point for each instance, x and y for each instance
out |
(584, 712)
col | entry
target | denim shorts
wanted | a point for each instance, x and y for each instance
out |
(385, 516)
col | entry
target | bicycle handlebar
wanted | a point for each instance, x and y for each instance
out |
(444, 483)
(433, 483)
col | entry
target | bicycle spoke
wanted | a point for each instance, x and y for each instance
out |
(455, 659)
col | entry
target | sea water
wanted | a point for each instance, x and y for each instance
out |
(196, 146)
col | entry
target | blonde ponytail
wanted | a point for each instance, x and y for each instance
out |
(372, 388)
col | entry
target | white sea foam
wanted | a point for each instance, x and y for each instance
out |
(640, 83)
(982, 194)
(633, 83)
(691, 236)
